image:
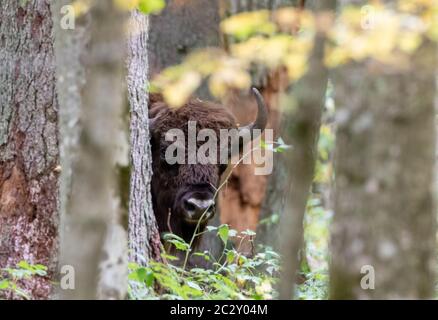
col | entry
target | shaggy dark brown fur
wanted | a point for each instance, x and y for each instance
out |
(171, 184)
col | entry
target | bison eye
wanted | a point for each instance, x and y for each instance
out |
(170, 168)
(222, 168)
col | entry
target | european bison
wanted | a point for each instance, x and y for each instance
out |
(183, 193)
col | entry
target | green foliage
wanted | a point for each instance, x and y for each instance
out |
(144, 6)
(23, 3)
(178, 242)
(233, 276)
(387, 35)
(319, 214)
(276, 146)
(249, 23)
(10, 277)
(315, 287)
(270, 220)
(223, 233)
(151, 6)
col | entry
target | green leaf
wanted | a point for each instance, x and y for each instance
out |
(177, 241)
(149, 279)
(4, 284)
(194, 285)
(230, 256)
(40, 267)
(23, 265)
(133, 276)
(223, 232)
(249, 232)
(169, 236)
(151, 6)
(169, 257)
(132, 265)
(180, 245)
(141, 274)
(201, 254)
(23, 3)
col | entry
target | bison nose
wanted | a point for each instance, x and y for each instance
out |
(195, 208)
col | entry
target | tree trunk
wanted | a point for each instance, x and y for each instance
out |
(144, 239)
(242, 199)
(93, 242)
(183, 26)
(301, 129)
(28, 141)
(384, 223)
(180, 28)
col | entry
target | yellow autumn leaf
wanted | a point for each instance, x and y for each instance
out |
(359, 48)
(126, 5)
(413, 6)
(227, 78)
(407, 6)
(336, 56)
(287, 17)
(352, 16)
(275, 49)
(430, 19)
(245, 24)
(205, 61)
(409, 41)
(296, 65)
(249, 49)
(293, 20)
(382, 38)
(342, 35)
(80, 7)
(177, 93)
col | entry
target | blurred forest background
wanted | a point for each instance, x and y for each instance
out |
(347, 213)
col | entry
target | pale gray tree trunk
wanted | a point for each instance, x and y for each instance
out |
(92, 104)
(301, 128)
(242, 199)
(144, 239)
(28, 141)
(184, 26)
(383, 233)
(179, 29)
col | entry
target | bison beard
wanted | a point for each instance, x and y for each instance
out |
(183, 193)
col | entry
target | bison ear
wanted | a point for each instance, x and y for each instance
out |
(254, 129)
(154, 136)
(152, 124)
(153, 121)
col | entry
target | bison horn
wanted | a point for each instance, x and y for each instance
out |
(262, 116)
(254, 129)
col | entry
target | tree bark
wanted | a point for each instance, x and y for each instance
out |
(93, 242)
(384, 205)
(301, 130)
(28, 141)
(242, 199)
(184, 26)
(144, 239)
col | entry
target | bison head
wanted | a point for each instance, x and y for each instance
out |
(183, 194)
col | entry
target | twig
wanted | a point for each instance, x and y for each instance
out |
(169, 214)
(214, 197)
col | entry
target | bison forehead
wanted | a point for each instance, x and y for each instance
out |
(207, 115)
(196, 174)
